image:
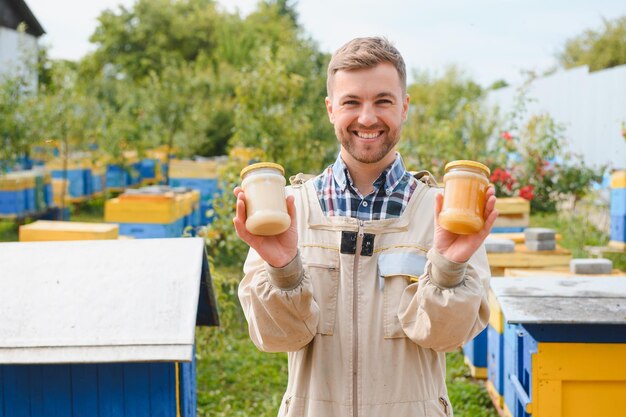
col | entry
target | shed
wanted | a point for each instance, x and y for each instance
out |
(16, 46)
(102, 328)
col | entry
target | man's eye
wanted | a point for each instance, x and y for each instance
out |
(350, 103)
(385, 101)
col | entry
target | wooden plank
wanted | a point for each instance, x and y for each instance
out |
(512, 205)
(36, 389)
(188, 388)
(581, 361)
(563, 310)
(111, 390)
(162, 390)
(57, 390)
(523, 258)
(153, 284)
(17, 398)
(557, 271)
(85, 389)
(136, 389)
(583, 286)
(1, 391)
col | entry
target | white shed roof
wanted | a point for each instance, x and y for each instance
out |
(99, 301)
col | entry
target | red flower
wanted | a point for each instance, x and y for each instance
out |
(507, 136)
(526, 192)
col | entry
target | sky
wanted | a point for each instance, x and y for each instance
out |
(489, 39)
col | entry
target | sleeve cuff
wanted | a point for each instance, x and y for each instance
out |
(444, 272)
(287, 277)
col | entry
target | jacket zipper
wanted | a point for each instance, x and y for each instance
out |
(355, 322)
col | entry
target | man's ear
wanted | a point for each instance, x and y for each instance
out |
(329, 109)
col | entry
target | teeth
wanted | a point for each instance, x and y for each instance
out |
(367, 135)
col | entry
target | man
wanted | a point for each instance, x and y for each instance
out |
(365, 291)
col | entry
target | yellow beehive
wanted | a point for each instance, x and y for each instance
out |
(523, 258)
(193, 169)
(57, 164)
(44, 230)
(578, 380)
(12, 183)
(513, 205)
(157, 209)
(618, 179)
(514, 212)
(60, 186)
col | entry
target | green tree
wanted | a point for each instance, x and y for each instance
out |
(447, 120)
(152, 34)
(599, 49)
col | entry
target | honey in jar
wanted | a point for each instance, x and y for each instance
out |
(465, 188)
(264, 187)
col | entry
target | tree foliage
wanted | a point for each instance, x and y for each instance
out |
(598, 49)
(447, 120)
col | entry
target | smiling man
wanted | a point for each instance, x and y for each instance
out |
(365, 291)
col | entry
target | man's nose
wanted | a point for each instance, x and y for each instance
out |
(367, 115)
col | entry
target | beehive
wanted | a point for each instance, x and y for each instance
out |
(514, 215)
(562, 346)
(618, 210)
(44, 230)
(523, 258)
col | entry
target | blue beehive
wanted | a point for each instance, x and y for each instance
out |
(475, 352)
(117, 177)
(79, 180)
(111, 336)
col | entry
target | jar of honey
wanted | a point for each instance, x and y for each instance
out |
(465, 188)
(264, 187)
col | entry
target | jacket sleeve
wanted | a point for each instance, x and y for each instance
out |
(278, 304)
(448, 305)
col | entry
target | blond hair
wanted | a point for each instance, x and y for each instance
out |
(362, 53)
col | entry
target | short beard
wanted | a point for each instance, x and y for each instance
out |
(393, 137)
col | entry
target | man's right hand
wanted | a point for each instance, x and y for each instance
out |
(277, 250)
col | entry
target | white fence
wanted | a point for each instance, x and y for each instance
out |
(591, 107)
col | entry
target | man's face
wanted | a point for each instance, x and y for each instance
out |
(367, 108)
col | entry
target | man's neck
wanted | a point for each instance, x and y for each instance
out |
(364, 174)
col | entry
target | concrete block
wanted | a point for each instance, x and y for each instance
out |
(539, 233)
(497, 245)
(591, 266)
(539, 245)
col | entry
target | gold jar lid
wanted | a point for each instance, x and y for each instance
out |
(467, 163)
(260, 165)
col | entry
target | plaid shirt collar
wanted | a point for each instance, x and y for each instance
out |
(391, 176)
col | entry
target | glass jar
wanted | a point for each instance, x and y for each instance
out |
(264, 187)
(465, 188)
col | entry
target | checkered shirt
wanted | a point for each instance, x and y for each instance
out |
(339, 197)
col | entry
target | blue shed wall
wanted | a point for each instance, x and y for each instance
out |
(97, 390)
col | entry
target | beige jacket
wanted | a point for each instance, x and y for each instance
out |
(365, 336)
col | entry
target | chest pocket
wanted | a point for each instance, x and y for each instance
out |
(396, 270)
(325, 281)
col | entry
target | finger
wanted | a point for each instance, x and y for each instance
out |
(291, 209)
(438, 206)
(240, 208)
(237, 191)
(490, 205)
(489, 223)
